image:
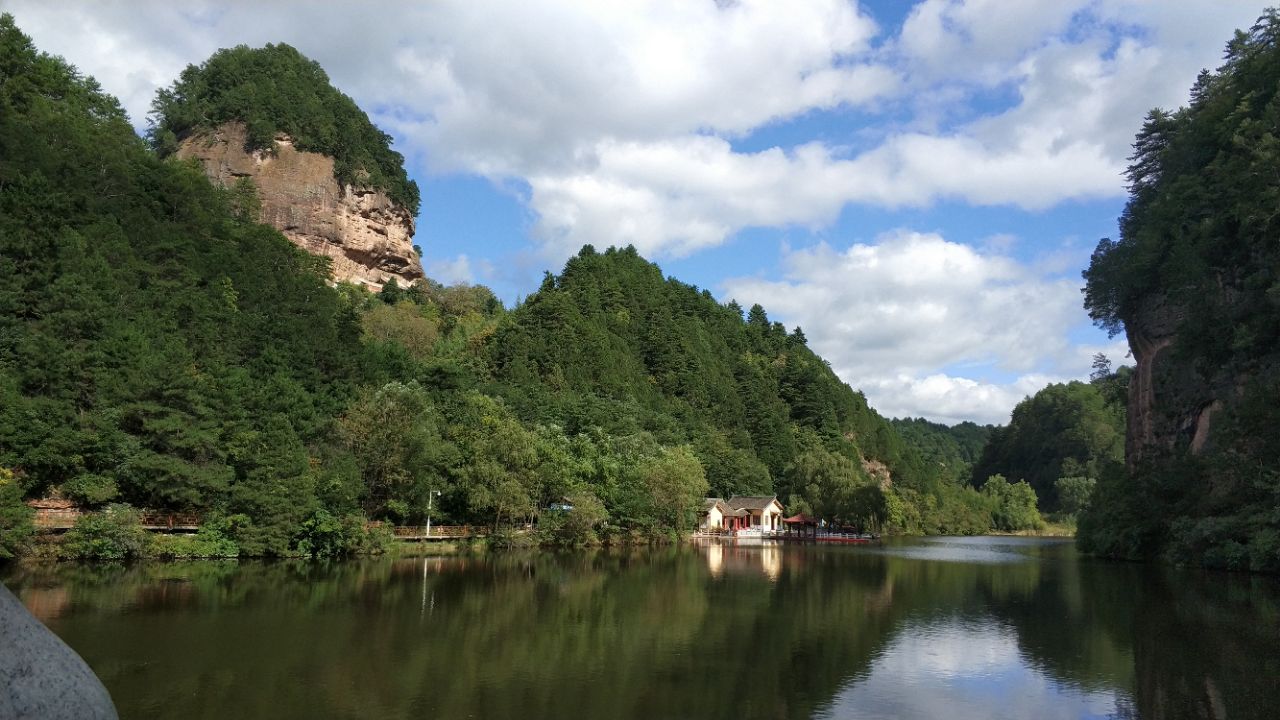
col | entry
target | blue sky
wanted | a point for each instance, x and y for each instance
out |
(917, 185)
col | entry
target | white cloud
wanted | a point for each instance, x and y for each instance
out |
(459, 269)
(896, 318)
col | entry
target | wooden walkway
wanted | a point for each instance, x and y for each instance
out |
(59, 520)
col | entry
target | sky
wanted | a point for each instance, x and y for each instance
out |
(916, 185)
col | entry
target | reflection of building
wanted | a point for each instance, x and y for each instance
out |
(715, 559)
(771, 561)
(764, 559)
(738, 513)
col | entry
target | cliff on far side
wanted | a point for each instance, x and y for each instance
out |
(368, 235)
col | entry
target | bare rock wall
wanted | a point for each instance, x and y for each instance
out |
(368, 236)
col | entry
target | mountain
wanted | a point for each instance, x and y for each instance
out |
(1194, 282)
(632, 348)
(160, 347)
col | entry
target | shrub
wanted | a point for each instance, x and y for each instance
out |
(211, 541)
(15, 517)
(115, 534)
(325, 536)
(575, 525)
(1013, 505)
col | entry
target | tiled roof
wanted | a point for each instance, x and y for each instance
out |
(752, 502)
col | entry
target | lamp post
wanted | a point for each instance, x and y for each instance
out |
(431, 495)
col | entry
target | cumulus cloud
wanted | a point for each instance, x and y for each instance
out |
(895, 315)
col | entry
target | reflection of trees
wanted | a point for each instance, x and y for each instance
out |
(1207, 645)
(650, 633)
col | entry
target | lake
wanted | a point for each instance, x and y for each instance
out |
(952, 628)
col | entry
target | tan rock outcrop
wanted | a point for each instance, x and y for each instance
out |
(1149, 333)
(368, 236)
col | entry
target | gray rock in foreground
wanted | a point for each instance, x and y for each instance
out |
(40, 677)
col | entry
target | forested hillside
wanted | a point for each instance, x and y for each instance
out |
(949, 450)
(1071, 432)
(161, 349)
(1194, 281)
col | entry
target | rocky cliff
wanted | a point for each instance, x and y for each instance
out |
(1174, 395)
(1151, 332)
(367, 235)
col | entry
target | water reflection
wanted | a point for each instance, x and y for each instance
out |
(762, 559)
(960, 671)
(937, 628)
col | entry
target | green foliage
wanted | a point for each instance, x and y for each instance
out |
(1197, 256)
(392, 432)
(611, 345)
(91, 490)
(210, 541)
(1013, 505)
(676, 485)
(1074, 494)
(952, 450)
(149, 337)
(15, 516)
(575, 526)
(324, 536)
(113, 534)
(1063, 430)
(273, 90)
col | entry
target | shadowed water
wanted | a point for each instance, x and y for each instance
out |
(936, 628)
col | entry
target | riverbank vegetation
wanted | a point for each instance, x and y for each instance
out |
(160, 349)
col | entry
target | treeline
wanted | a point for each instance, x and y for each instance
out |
(159, 349)
(1197, 264)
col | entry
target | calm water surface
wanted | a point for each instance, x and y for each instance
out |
(952, 628)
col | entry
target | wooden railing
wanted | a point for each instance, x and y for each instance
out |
(170, 521)
(438, 532)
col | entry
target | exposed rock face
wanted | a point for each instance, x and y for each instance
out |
(1150, 333)
(1171, 402)
(369, 237)
(40, 677)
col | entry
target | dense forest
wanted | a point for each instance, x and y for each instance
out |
(1194, 280)
(951, 449)
(159, 349)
